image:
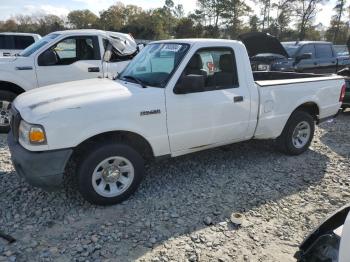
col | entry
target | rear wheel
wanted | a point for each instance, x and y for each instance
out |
(297, 134)
(6, 98)
(109, 174)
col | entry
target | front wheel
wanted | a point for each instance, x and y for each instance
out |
(6, 99)
(110, 173)
(298, 133)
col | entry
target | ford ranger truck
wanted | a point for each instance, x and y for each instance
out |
(166, 103)
(61, 57)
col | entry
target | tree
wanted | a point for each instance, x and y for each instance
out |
(254, 23)
(283, 18)
(186, 28)
(82, 19)
(235, 10)
(9, 25)
(265, 13)
(48, 24)
(337, 19)
(305, 12)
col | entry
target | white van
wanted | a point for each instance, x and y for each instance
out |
(13, 43)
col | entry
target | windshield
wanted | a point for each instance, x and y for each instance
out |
(155, 64)
(37, 45)
(341, 50)
(291, 48)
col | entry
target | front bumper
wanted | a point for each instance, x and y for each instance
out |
(40, 169)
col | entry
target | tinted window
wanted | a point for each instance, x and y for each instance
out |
(324, 51)
(216, 65)
(6, 42)
(23, 41)
(307, 49)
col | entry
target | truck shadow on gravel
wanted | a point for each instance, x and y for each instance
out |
(173, 200)
(337, 136)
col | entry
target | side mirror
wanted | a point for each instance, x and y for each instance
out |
(303, 57)
(48, 58)
(190, 84)
(108, 53)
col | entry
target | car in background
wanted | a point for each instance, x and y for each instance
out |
(328, 242)
(341, 50)
(13, 43)
(63, 56)
(267, 53)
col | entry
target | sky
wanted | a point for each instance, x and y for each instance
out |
(10, 8)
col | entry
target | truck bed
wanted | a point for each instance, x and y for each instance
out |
(285, 78)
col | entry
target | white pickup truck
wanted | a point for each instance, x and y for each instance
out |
(13, 43)
(60, 57)
(167, 102)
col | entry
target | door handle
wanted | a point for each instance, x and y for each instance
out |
(6, 54)
(315, 63)
(93, 69)
(238, 99)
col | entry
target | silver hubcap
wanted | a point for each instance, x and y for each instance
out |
(113, 176)
(301, 134)
(4, 113)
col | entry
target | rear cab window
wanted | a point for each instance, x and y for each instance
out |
(308, 49)
(16, 42)
(6, 42)
(324, 51)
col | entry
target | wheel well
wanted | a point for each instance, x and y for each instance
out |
(139, 143)
(8, 86)
(311, 108)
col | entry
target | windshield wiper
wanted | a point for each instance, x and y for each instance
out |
(136, 80)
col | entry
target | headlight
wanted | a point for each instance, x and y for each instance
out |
(263, 67)
(31, 134)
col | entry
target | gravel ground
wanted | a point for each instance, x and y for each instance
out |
(183, 208)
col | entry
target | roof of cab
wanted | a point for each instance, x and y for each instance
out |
(197, 40)
(18, 33)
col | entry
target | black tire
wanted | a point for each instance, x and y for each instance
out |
(9, 97)
(285, 140)
(96, 155)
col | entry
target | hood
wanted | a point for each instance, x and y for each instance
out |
(123, 43)
(42, 101)
(262, 43)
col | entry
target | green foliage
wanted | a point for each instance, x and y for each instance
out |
(82, 19)
(286, 19)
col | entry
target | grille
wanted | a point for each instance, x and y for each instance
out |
(15, 121)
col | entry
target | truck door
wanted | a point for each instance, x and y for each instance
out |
(326, 60)
(216, 110)
(307, 65)
(73, 58)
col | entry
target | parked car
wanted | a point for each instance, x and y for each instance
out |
(60, 57)
(267, 53)
(13, 43)
(341, 50)
(330, 241)
(111, 127)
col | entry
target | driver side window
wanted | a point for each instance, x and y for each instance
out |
(71, 50)
(209, 69)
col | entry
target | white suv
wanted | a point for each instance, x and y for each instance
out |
(13, 43)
